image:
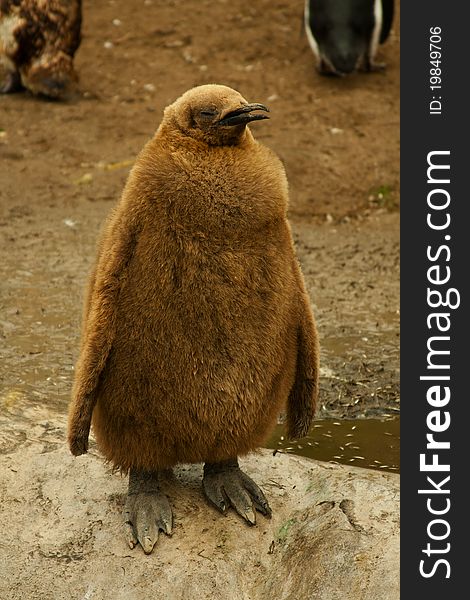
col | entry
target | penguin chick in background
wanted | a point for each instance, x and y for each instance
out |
(197, 328)
(38, 40)
(344, 34)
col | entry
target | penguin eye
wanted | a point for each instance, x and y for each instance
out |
(209, 112)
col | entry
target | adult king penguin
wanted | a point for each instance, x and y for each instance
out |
(344, 34)
(197, 327)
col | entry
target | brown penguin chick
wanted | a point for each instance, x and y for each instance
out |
(197, 327)
(38, 39)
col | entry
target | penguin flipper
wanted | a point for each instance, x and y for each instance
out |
(302, 401)
(387, 19)
(99, 328)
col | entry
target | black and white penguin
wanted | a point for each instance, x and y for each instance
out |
(38, 40)
(344, 34)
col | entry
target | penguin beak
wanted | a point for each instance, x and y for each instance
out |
(243, 115)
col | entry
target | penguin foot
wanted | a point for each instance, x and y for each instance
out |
(146, 511)
(226, 485)
(11, 83)
(370, 66)
(326, 69)
(377, 67)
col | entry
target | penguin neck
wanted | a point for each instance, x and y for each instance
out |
(198, 140)
(224, 192)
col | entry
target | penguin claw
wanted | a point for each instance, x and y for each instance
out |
(130, 535)
(259, 499)
(226, 485)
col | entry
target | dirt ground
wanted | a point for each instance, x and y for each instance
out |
(63, 166)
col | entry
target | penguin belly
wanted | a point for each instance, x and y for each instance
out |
(203, 357)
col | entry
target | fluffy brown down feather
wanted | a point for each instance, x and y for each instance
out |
(197, 327)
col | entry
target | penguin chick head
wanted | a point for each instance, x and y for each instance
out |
(50, 75)
(214, 114)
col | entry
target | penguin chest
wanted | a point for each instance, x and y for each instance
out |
(9, 24)
(203, 335)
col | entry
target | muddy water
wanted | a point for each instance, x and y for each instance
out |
(370, 443)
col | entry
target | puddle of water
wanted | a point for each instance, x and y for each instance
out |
(366, 337)
(370, 443)
(345, 345)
